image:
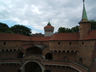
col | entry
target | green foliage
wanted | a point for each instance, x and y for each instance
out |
(75, 29)
(4, 28)
(93, 24)
(20, 29)
(68, 30)
(63, 29)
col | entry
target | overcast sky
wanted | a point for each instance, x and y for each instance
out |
(35, 14)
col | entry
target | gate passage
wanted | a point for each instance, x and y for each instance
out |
(32, 67)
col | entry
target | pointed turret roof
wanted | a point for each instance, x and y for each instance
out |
(84, 15)
(49, 23)
(48, 26)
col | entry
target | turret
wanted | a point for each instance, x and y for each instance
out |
(48, 29)
(85, 26)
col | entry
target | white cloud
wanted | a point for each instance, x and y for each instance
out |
(35, 10)
(37, 13)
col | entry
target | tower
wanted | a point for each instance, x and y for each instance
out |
(48, 29)
(85, 26)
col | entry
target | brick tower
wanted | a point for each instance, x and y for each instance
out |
(85, 26)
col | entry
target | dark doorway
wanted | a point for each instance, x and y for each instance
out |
(20, 54)
(32, 67)
(49, 56)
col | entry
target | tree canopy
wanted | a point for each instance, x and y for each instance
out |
(67, 30)
(93, 25)
(4, 28)
(76, 28)
(20, 29)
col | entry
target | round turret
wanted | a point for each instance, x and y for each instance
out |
(48, 29)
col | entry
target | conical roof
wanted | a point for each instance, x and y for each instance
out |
(84, 14)
(48, 26)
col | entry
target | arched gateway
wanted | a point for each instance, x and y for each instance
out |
(32, 66)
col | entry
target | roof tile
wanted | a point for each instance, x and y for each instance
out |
(58, 36)
(8, 36)
(65, 36)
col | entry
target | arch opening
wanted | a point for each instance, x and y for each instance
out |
(33, 50)
(49, 56)
(32, 67)
(20, 54)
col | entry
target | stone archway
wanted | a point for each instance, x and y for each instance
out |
(33, 50)
(49, 56)
(32, 66)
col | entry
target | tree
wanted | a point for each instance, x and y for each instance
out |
(4, 28)
(63, 29)
(20, 29)
(93, 24)
(75, 29)
(67, 30)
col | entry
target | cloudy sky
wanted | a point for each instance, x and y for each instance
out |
(35, 14)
